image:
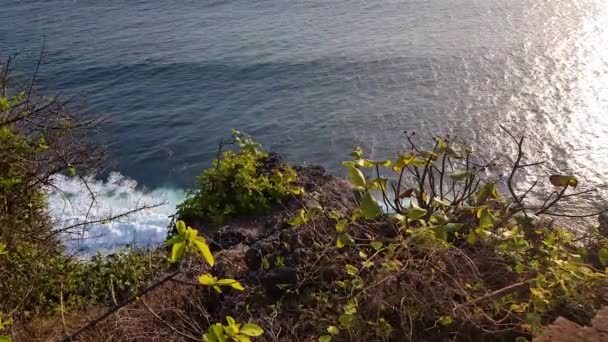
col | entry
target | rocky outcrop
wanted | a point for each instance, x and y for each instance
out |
(564, 330)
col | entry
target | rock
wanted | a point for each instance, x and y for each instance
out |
(272, 280)
(564, 330)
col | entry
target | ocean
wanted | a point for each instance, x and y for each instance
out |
(311, 79)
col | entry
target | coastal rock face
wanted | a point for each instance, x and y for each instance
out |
(564, 330)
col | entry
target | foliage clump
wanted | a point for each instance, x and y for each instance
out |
(39, 282)
(244, 181)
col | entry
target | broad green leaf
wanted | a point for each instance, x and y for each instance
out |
(471, 238)
(352, 270)
(299, 219)
(446, 320)
(344, 240)
(378, 183)
(207, 279)
(177, 251)
(231, 322)
(241, 338)
(367, 264)
(461, 175)
(174, 239)
(230, 282)
(405, 160)
(376, 245)
(364, 163)
(521, 307)
(486, 219)
(332, 329)
(341, 225)
(3, 249)
(296, 190)
(370, 208)
(205, 251)
(325, 338)
(441, 232)
(562, 181)
(356, 177)
(251, 329)
(346, 320)
(6, 339)
(181, 227)
(215, 333)
(488, 190)
(415, 213)
(370, 163)
(438, 217)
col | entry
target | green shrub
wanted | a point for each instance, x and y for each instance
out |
(244, 181)
(37, 281)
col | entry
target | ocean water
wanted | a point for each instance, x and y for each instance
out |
(311, 79)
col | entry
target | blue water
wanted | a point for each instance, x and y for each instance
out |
(311, 79)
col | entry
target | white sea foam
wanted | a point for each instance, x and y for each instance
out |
(69, 204)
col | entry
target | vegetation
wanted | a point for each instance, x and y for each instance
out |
(247, 181)
(424, 246)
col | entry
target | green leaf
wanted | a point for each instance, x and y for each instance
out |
(352, 270)
(415, 213)
(356, 177)
(207, 279)
(215, 333)
(230, 282)
(563, 181)
(369, 207)
(299, 219)
(181, 227)
(251, 329)
(325, 338)
(376, 245)
(441, 232)
(3, 250)
(486, 219)
(471, 238)
(332, 329)
(521, 307)
(378, 183)
(5, 339)
(346, 320)
(344, 240)
(231, 322)
(177, 251)
(405, 160)
(488, 190)
(241, 338)
(445, 320)
(205, 251)
(364, 163)
(461, 175)
(341, 225)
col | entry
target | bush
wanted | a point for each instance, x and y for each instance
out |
(245, 181)
(38, 281)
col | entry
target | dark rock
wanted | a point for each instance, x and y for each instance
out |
(272, 280)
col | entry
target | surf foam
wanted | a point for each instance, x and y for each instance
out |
(69, 204)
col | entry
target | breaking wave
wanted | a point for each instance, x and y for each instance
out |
(70, 204)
